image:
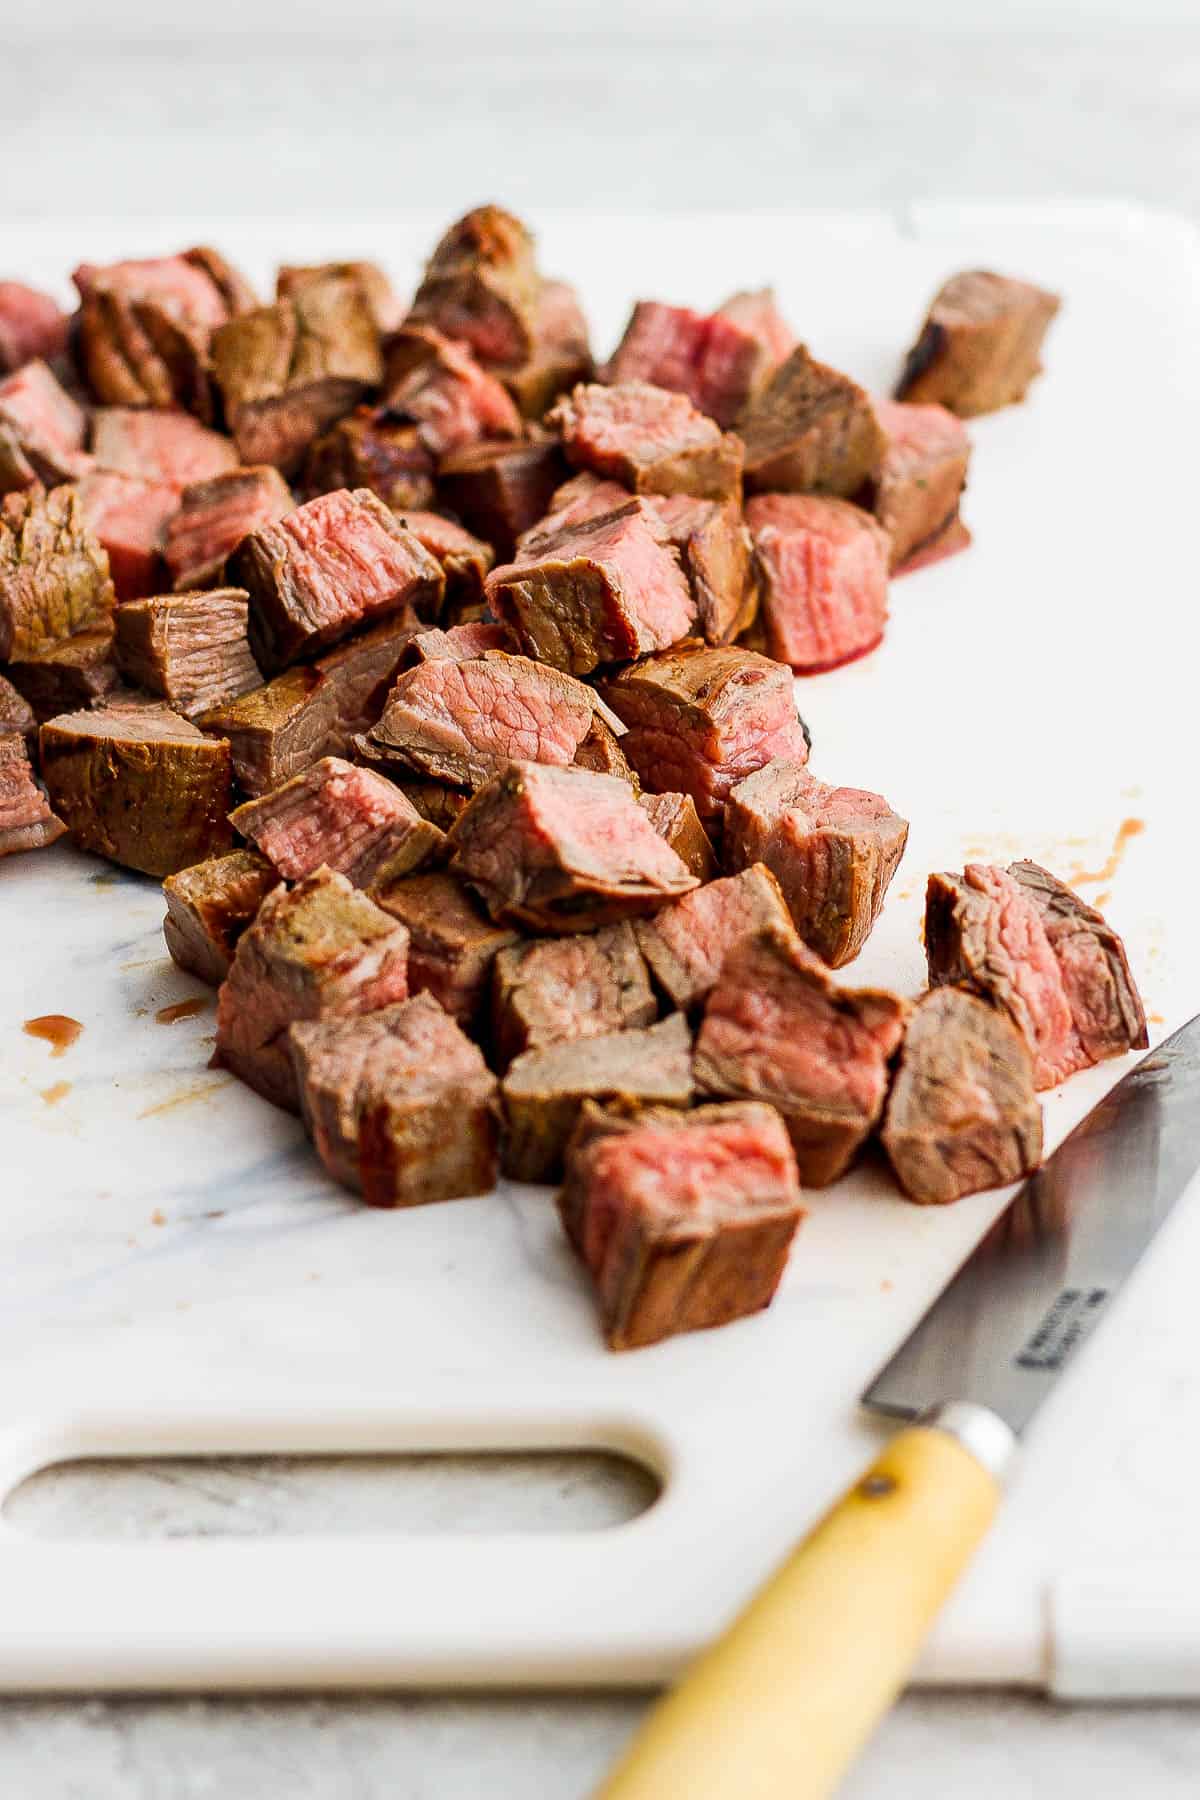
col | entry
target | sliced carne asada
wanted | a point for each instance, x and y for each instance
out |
(452, 942)
(500, 490)
(710, 357)
(565, 988)
(683, 1220)
(159, 446)
(1030, 946)
(436, 385)
(545, 1090)
(67, 673)
(811, 430)
(209, 906)
(563, 850)
(320, 950)
(757, 311)
(376, 289)
(561, 353)
(653, 441)
(370, 448)
(598, 592)
(42, 430)
(213, 518)
(465, 559)
(129, 517)
(190, 649)
(31, 325)
(26, 820)
(287, 371)
(823, 565)
(339, 816)
(332, 563)
(700, 720)
(916, 490)
(54, 577)
(139, 785)
(481, 285)
(676, 820)
(833, 851)
(962, 1114)
(980, 345)
(16, 716)
(777, 1028)
(686, 943)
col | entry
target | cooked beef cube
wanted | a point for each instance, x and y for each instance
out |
(712, 358)
(465, 560)
(67, 673)
(338, 816)
(461, 643)
(598, 592)
(462, 722)
(26, 821)
(452, 942)
(811, 430)
(31, 325)
(561, 354)
(376, 289)
(189, 648)
(159, 446)
(399, 1103)
(777, 1028)
(481, 285)
(601, 752)
(833, 851)
(683, 1220)
(320, 950)
(962, 1114)
(129, 517)
(501, 490)
(287, 371)
(316, 574)
(42, 430)
(582, 498)
(564, 988)
(440, 804)
(757, 312)
(653, 441)
(675, 818)
(208, 908)
(980, 345)
(700, 720)
(142, 787)
(370, 448)
(545, 1090)
(823, 565)
(213, 518)
(917, 488)
(686, 943)
(1024, 941)
(437, 385)
(145, 328)
(16, 715)
(54, 576)
(563, 850)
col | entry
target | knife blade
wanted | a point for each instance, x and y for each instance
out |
(779, 1706)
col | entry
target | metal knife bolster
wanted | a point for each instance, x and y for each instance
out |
(982, 1433)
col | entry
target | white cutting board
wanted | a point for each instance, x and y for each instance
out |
(177, 1275)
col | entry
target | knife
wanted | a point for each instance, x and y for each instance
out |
(780, 1704)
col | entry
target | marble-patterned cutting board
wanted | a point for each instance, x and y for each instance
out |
(178, 1275)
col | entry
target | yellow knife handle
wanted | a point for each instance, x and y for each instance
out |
(779, 1706)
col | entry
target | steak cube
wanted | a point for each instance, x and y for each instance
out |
(712, 358)
(208, 908)
(338, 816)
(16, 716)
(319, 950)
(563, 850)
(26, 821)
(436, 385)
(330, 564)
(213, 518)
(599, 592)
(980, 345)
(31, 325)
(481, 285)
(832, 850)
(500, 490)
(140, 786)
(824, 570)
(159, 446)
(811, 430)
(918, 485)
(42, 430)
(686, 943)
(129, 518)
(683, 1220)
(460, 643)
(776, 1028)
(434, 801)
(700, 720)
(67, 673)
(1026, 943)
(452, 942)
(653, 441)
(601, 752)
(465, 559)
(189, 648)
(368, 277)
(758, 313)
(565, 988)
(676, 820)
(54, 576)
(962, 1114)
(544, 1090)
(561, 353)
(370, 448)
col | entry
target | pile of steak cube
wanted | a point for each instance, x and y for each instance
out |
(446, 677)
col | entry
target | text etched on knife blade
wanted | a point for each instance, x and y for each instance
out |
(1069, 1319)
